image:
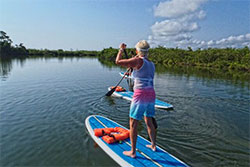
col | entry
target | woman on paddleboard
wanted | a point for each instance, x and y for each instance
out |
(143, 101)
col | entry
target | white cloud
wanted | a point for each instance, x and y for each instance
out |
(237, 41)
(181, 16)
(176, 8)
(247, 36)
(181, 20)
(173, 27)
(210, 43)
(231, 41)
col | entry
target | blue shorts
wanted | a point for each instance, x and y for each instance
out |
(143, 104)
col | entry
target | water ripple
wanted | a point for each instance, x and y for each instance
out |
(43, 114)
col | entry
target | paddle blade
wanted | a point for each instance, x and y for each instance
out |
(111, 92)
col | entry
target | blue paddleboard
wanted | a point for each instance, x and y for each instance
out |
(144, 156)
(128, 96)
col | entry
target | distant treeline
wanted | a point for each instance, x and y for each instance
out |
(226, 58)
(62, 53)
(8, 50)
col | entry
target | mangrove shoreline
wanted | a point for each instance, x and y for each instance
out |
(225, 59)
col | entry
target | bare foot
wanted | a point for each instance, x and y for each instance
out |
(129, 153)
(150, 146)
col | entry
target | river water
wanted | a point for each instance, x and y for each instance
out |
(44, 103)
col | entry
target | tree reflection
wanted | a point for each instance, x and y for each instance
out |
(234, 77)
(6, 66)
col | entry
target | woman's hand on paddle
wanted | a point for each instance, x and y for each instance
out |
(132, 62)
(123, 46)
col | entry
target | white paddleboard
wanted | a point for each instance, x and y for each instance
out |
(128, 95)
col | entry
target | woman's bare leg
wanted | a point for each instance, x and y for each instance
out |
(151, 132)
(133, 138)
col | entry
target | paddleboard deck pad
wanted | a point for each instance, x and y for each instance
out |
(128, 95)
(144, 156)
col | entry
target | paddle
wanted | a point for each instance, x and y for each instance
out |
(113, 89)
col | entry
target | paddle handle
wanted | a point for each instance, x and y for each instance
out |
(113, 89)
(126, 55)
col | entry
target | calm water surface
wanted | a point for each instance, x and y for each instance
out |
(44, 103)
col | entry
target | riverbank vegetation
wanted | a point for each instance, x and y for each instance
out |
(61, 53)
(234, 59)
(8, 50)
(227, 59)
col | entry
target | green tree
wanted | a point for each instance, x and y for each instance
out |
(9, 51)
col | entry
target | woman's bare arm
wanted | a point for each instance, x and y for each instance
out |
(134, 62)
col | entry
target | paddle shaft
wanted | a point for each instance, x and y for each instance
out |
(113, 89)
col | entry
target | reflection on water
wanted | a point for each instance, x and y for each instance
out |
(5, 68)
(7, 64)
(234, 77)
(45, 101)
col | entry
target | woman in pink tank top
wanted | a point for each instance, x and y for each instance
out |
(144, 95)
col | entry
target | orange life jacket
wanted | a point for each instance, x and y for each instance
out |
(111, 135)
(119, 89)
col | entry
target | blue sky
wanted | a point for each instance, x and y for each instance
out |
(98, 24)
